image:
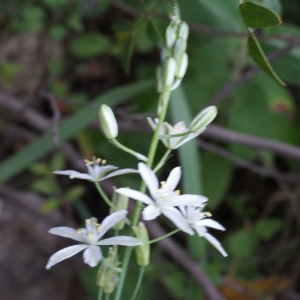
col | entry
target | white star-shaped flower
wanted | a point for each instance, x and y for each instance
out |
(199, 221)
(95, 171)
(165, 198)
(89, 237)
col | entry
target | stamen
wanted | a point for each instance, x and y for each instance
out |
(89, 235)
(162, 183)
(103, 161)
(99, 228)
(87, 162)
(79, 231)
(96, 224)
(177, 192)
(98, 160)
(201, 215)
(158, 191)
(208, 214)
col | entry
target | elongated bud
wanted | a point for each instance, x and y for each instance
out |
(183, 30)
(169, 68)
(142, 251)
(108, 122)
(121, 203)
(205, 117)
(165, 53)
(107, 276)
(179, 49)
(171, 35)
(159, 80)
(182, 66)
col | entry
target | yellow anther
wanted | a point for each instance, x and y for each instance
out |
(201, 215)
(96, 224)
(79, 231)
(98, 160)
(99, 228)
(103, 161)
(89, 235)
(158, 191)
(87, 162)
(162, 183)
(208, 214)
(88, 221)
(177, 192)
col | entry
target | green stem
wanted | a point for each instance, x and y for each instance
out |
(138, 284)
(105, 198)
(107, 295)
(164, 236)
(100, 293)
(162, 161)
(163, 101)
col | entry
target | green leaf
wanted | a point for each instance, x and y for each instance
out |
(89, 45)
(258, 55)
(242, 244)
(67, 129)
(50, 205)
(255, 15)
(41, 169)
(266, 229)
(75, 192)
(154, 34)
(216, 177)
(175, 283)
(127, 52)
(123, 25)
(58, 162)
(44, 186)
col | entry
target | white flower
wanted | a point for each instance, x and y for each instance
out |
(95, 171)
(178, 128)
(163, 199)
(89, 237)
(197, 219)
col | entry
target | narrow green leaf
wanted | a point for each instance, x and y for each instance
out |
(127, 52)
(258, 55)
(69, 128)
(255, 15)
(154, 33)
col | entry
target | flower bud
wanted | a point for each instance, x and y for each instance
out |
(121, 203)
(179, 49)
(108, 122)
(171, 35)
(205, 117)
(142, 251)
(169, 68)
(183, 30)
(182, 66)
(159, 80)
(165, 53)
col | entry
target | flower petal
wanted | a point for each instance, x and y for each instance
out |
(111, 221)
(151, 212)
(64, 254)
(173, 178)
(176, 217)
(210, 223)
(74, 174)
(121, 240)
(120, 172)
(67, 232)
(215, 243)
(136, 195)
(149, 178)
(187, 200)
(92, 255)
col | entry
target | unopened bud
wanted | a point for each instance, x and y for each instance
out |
(179, 49)
(169, 68)
(121, 203)
(108, 122)
(165, 53)
(183, 30)
(205, 117)
(171, 35)
(142, 251)
(182, 66)
(159, 80)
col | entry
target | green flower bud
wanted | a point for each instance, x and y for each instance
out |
(205, 117)
(169, 68)
(182, 66)
(142, 251)
(165, 53)
(183, 30)
(179, 50)
(108, 122)
(111, 285)
(121, 203)
(171, 34)
(159, 80)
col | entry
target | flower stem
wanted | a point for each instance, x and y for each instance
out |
(100, 293)
(107, 296)
(164, 236)
(162, 161)
(103, 195)
(138, 284)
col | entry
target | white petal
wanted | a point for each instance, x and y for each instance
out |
(215, 243)
(74, 174)
(173, 178)
(121, 240)
(92, 255)
(67, 232)
(210, 223)
(111, 221)
(188, 200)
(136, 195)
(201, 230)
(64, 254)
(149, 178)
(151, 212)
(119, 172)
(176, 217)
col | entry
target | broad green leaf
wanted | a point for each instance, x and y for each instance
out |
(266, 229)
(75, 192)
(68, 129)
(175, 283)
(123, 25)
(242, 244)
(255, 15)
(216, 177)
(50, 205)
(89, 45)
(44, 186)
(258, 55)
(154, 33)
(41, 169)
(58, 162)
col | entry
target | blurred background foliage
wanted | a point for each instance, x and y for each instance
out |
(61, 59)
